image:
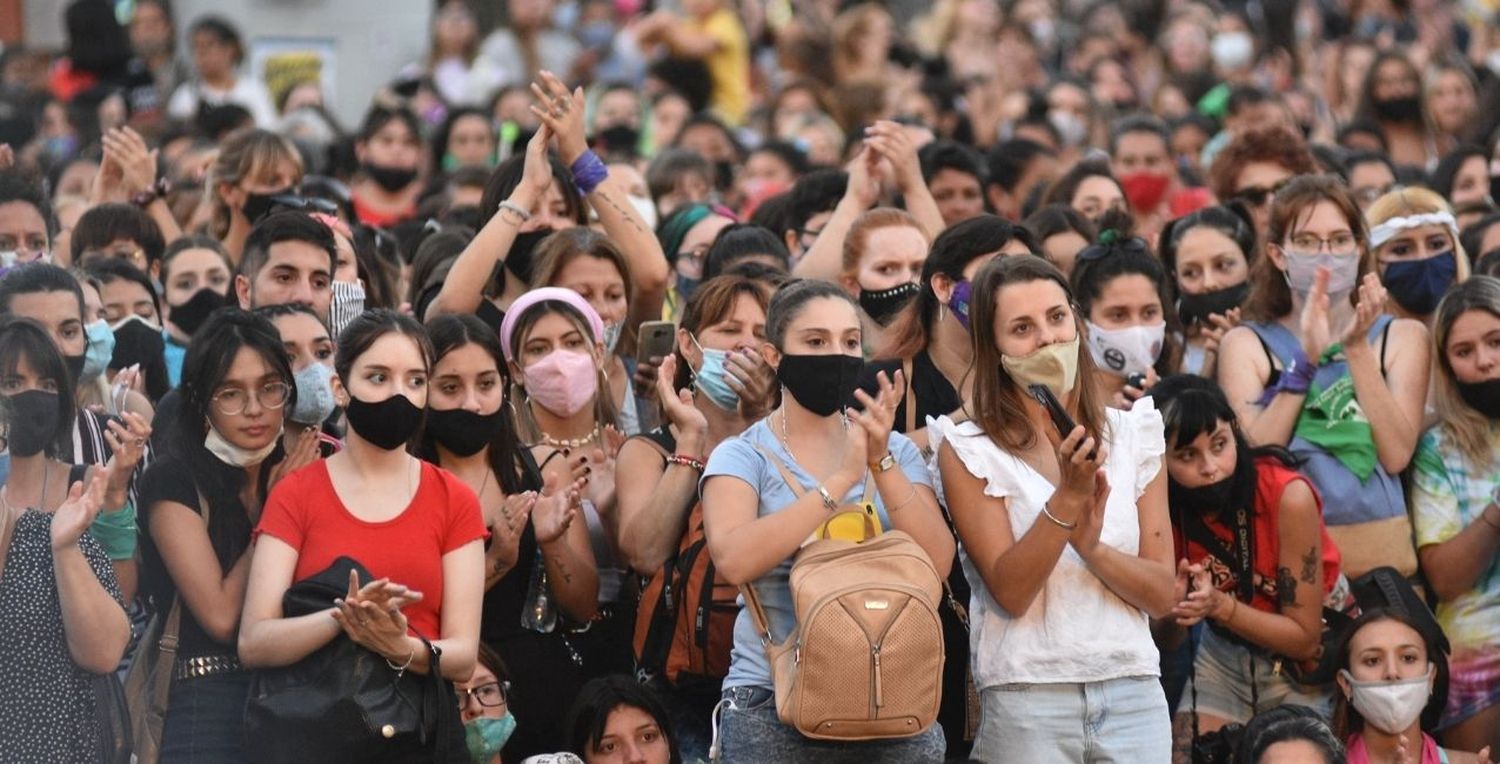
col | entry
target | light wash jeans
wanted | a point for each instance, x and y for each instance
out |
(750, 731)
(1120, 720)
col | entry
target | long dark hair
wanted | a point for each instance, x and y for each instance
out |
(1346, 720)
(956, 247)
(1190, 406)
(449, 333)
(22, 338)
(599, 698)
(208, 360)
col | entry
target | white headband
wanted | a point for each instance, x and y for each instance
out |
(1386, 231)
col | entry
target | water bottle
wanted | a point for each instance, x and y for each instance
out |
(540, 613)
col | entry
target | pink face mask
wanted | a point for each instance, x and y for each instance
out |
(563, 382)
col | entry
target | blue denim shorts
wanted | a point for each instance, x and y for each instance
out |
(750, 731)
(1118, 720)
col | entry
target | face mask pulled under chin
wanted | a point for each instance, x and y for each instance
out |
(236, 456)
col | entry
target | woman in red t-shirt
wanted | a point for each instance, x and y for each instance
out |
(413, 525)
(1236, 508)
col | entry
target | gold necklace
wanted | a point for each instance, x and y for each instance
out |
(578, 442)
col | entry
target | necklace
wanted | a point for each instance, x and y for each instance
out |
(581, 441)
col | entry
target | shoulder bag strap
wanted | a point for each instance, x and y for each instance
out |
(911, 397)
(171, 630)
(786, 474)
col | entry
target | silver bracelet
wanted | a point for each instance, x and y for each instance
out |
(402, 668)
(1059, 523)
(516, 208)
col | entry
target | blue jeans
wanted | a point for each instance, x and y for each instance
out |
(206, 719)
(751, 732)
(1120, 720)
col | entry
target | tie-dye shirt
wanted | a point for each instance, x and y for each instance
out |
(1448, 494)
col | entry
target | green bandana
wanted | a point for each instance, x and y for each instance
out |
(1332, 419)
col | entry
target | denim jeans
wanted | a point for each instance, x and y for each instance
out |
(206, 719)
(1119, 720)
(750, 731)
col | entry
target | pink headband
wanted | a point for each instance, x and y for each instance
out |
(545, 294)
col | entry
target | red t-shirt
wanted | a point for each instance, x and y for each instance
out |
(1272, 479)
(305, 512)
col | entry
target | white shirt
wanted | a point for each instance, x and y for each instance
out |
(1076, 629)
(247, 92)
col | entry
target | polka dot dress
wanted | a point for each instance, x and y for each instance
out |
(46, 702)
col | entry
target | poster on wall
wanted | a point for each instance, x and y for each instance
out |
(286, 64)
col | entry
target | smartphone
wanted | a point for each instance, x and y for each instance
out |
(657, 339)
(1060, 418)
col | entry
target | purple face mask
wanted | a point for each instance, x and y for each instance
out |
(963, 291)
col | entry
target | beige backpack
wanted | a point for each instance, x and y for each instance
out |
(865, 660)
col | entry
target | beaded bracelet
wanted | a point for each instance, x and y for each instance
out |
(588, 172)
(686, 461)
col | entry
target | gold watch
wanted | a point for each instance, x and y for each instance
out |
(886, 462)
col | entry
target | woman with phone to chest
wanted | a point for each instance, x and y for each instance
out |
(1065, 535)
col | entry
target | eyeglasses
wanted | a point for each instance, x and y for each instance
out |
(491, 695)
(1339, 242)
(232, 401)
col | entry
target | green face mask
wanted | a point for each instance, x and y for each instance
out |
(485, 737)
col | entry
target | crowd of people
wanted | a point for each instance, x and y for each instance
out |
(758, 381)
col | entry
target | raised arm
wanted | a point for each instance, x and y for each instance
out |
(463, 290)
(94, 622)
(654, 504)
(892, 141)
(825, 258)
(1392, 401)
(215, 599)
(625, 227)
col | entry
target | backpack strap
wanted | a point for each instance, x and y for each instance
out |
(796, 485)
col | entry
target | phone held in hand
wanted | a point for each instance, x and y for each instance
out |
(1060, 419)
(657, 339)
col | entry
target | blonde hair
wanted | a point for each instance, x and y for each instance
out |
(1416, 201)
(246, 154)
(605, 411)
(1468, 428)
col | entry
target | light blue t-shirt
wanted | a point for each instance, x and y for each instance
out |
(739, 458)
(173, 354)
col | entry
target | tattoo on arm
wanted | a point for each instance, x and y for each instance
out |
(604, 195)
(1286, 586)
(1310, 566)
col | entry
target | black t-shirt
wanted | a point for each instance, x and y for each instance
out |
(169, 479)
(935, 394)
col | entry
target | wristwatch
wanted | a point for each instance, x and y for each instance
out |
(157, 190)
(886, 462)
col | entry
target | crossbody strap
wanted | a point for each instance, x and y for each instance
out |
(910, 401)
(172, 628)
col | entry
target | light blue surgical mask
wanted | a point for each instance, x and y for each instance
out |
(101, 349)
(314, 394)
(713, 378)
(485, 737)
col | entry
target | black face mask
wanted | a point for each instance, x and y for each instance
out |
(1196, 308)
(258, 206)
(1483, 397)
(74, 364)
(1494, 187)
(137, 342)
(392, 179)
(523, 252)
(882, 306)
(191, 314)
(1403, 109)
(387, 424)
(619, 138)
(462, 431)
(821, 383)
(723, 175)
(1203, 500)
(33, 421)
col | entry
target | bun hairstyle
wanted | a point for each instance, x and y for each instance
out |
(1117, 254)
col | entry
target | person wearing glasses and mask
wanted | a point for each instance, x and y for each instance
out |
(484, 704)
(198, 505)
(1321, 368)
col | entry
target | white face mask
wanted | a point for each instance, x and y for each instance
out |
(233, 455)
(646, 208)
(1391, 707)
(1123, 352)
